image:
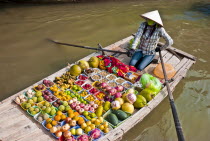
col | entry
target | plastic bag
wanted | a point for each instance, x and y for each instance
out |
(150, 82)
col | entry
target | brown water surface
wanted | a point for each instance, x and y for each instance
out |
(26, 57)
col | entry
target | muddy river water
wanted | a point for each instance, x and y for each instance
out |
(26, 57)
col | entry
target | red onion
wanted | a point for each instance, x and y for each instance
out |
(108, 88)
(103, 85)
(112, 91)
(119, 88)
(83, 138)
(95, 134)
(118, 94)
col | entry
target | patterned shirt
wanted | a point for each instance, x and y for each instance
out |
(148, 44)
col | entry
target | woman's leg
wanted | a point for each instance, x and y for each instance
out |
(145, 61)
(135, 58)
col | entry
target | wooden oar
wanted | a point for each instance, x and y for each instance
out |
(87, 47)
(173, 107)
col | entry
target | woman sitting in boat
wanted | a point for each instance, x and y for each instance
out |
(148, 34)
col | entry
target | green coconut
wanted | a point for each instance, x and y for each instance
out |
(83, 64)
(75, 70)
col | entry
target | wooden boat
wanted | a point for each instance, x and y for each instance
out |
(16, 124)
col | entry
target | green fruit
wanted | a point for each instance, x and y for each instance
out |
(27, 105)
(61, 108)
(93, 62)
(112, 118)
(75, 70)
(107, 105)
(147, 94)
(88, 117)
(33, 112)
(34, 99)
(30, 101)
(53, 112)
(67, 108)
(47, 110)
(92, 115)
(31, 109)
(99, 111)
(43, 108)
(38, 93)
(140, 102)
(47, 104)
(120, 114)
(65, 103)
(83, 64)
(37, 110)
(85, 113)
(39, 99)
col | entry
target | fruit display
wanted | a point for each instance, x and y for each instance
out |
(93, 90)
(84, 93)
(48, 96)
(76, 88)
(95, 77)
(86, 86)
(84, 106)
(65, 81)
(79, 82)
(33, 110)
(20, 99)
(30, 93)
(82, 77)
(47, 83)
(40, 87)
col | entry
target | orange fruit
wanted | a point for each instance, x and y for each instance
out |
(57, 118)
(49, 120)
(48, 125)
(88, 123)
(63, 117)
(71, 115)
(92, 126)
(70, 111)
(59, 113)
(76, 118)
(54, 122)
(80, 121)
(76, 114)
(106, 130)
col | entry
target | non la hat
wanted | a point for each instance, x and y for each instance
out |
(154, 16)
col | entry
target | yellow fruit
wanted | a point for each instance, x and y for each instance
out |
(106, 130)
(128, 107)
(80, 121)
(97, 122)
(48, 125)
(92, 126)
(93, 120)
(87, 129)
(63, 117)
(88, 123)
(54, 123)
(59, 113)
(101, 119)
(120, 100)
(101, 127)
(106, 124)
(49, 120)
(70, 111)
(57, 118)
(76, 118)
(83, 126)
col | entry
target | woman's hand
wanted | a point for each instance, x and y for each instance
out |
(130, 52)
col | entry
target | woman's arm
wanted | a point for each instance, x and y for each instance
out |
(138, 35)
(166, 37)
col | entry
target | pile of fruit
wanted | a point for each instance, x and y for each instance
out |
(74, 107)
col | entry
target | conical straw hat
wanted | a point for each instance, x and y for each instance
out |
(154, 16)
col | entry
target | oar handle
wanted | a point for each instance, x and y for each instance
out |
(87, 47)
(173, 107)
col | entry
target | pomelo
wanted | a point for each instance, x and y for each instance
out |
(128, 107)
(93, 62)
(83, 64)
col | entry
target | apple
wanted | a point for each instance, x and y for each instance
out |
(78, 102)
(82, 105)
(95, 106)
(73, 105)
(81, 110)
(86, 108)
(92, 103)
(77, 108)
(70, 101)
(79, 131)
(92, 109)
(74, 99)
(68, 119)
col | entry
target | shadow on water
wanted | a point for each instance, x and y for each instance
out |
(201, 7)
